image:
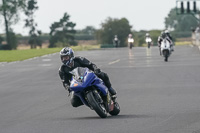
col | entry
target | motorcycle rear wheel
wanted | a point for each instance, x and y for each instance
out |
(94, 101)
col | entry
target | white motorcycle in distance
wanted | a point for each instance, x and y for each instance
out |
(165, 49)
(130, 42)
(148, 41)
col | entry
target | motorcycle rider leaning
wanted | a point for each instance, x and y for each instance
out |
(148, 38)
(116, 41)
(161, 38)
(69, 63)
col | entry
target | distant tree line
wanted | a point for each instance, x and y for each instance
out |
(63, 32)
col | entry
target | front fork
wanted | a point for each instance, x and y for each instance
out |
(109, 104)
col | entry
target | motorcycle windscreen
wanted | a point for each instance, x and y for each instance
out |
(77, 79)
(82, 78)
(78, 73)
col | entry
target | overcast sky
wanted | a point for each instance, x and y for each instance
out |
(141, 14)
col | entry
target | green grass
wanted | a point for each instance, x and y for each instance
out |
(19, 55)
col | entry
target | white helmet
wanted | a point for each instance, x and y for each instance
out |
(166, 31)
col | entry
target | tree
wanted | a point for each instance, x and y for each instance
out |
(180, 23)
(89, 30)
(154, 35)
(112, 27)
(10, 11)
(34, 39)
(62, 32)
(1, 40)
(88, 33)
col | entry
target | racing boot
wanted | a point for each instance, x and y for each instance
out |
(172, 48)
(112, 93)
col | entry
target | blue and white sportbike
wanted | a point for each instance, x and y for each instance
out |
(93, 92)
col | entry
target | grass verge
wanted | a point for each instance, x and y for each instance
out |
(19, 55)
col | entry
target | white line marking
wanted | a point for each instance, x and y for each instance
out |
(46, 65)
(46, 59)
(113, 62)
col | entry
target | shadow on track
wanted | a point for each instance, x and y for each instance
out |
(123, 116)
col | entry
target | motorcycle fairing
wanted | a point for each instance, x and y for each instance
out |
(83, 79)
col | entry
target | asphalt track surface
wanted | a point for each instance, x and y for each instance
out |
(155, 96)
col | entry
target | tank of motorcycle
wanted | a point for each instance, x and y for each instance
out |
(84, 78)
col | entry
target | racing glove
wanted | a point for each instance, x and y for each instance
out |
(67, 87)
(97, 71)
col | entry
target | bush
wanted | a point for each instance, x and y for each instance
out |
(5, 47)
(107, 46)
(84, 37)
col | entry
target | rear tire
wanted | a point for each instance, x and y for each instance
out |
(95, 103)
(116, 109)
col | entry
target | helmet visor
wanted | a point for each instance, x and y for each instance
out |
(65, 58)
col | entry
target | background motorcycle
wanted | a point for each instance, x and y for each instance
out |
(130, 42)
(148, 41)
(92, 92)
(165, 49)
(116, 44)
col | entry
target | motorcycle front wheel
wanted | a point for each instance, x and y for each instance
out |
(166, 58)
(131, 45)
(165, 54)
(96, 102)
(149, 45)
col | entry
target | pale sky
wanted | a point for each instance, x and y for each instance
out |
(141, 14)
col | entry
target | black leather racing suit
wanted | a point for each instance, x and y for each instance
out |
(81, 62)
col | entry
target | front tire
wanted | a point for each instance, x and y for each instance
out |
(149, 45)
(165, 54)
(96, 103)
(131, 45)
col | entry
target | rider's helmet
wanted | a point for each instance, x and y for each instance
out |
(166, 31)
(147, 34)
(115, 36)
(67, 56)
(163, 35)
(130, 35)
